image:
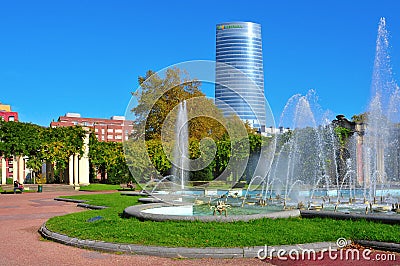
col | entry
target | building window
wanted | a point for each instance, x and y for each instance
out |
(118, 137)
(110, 130)
(118, 131)
(102, 131)
(11, 118)
(102, 137)
(110, 137)
(96, 130)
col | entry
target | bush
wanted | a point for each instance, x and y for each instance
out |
(9, 181)
(118, 174)
(202, 175)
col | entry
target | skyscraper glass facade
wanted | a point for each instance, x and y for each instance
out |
(239, 81)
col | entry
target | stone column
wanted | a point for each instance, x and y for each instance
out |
(84, 171)
(21, 168)
(71, 170)
(359, 154)
(359, 161)
(84, 163)
(15, 168)
(76, 170)
(3, 171)
(380, 163)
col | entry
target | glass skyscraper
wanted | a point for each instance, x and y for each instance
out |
(239, 79)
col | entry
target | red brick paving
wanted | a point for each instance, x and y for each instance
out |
(21, 215)
(338, 258)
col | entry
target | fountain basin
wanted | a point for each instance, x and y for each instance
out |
(163, 212)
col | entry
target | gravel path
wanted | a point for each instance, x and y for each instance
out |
(21, 215)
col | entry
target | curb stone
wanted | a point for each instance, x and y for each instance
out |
(395, 247)
(82, 204)
(177, 252)
(134, 193)
(93, 207)
(70, 200)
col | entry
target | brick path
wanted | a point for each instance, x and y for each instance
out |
(339, 258)
(21, 215)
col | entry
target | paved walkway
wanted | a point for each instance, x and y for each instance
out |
(21, 215)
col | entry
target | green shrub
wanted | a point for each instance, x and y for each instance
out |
(202, 175)
(9, 181)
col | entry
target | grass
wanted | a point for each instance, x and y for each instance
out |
(11, 191)
(99, 187)
(115, 201)
(17, 192)
(114, 228)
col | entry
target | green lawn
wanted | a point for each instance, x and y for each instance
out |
(114, 228)
(99, 187)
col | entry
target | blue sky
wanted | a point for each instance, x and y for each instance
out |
(85, 56)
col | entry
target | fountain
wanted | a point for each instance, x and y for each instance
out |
(381, 136)
(321, 165)
(180, 156)
(301, 167)
(343, 165)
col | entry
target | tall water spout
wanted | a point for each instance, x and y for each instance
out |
(301, 159)
(381, 117)
(181, 150)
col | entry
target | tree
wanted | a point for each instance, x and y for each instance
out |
(156, 113)
(19, 139)
(361, 118)
(138, 161)
(51, 145)
(107, 158)
(158, 97)
(343, 134)
(57, 145)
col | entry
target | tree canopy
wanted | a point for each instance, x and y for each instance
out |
(108, 158)
(216, 143)
(158, 96)
(40, 144)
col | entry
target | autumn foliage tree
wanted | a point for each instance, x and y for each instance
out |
(156, 112)
(158, 96)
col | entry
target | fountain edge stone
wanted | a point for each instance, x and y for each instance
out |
(136, 211)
